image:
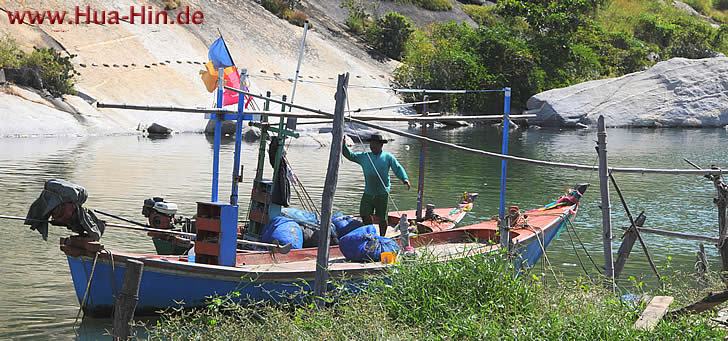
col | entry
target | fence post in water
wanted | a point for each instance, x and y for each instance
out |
(721, 200)
(327, 200)
(606, 206)
(218, 132)
(503, 228)
(423, 153)
(127, 300)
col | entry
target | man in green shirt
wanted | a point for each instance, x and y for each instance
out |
(376, 165)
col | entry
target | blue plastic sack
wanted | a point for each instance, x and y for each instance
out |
(345, 224)
(364, 244)
(283, 230)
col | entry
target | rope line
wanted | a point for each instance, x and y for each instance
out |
(543, 249)
(573, 246)
(584, 247)
(493, 154)
(85, 294)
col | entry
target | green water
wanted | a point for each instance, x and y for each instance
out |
(36, 293)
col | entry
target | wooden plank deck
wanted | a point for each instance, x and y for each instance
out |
(656, 309)
(443, 252)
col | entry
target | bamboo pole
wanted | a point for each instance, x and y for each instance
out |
(318, 114)
(680, 235)
(291, 123)
(327, 200)
(399, 105)
(127, 300)
(633, 226)
(606, 206)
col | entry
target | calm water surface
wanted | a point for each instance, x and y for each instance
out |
(37, 300)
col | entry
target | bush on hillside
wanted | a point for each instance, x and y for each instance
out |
(720, 5)
(286, 9)
(680, 36)
(389, 34)
(56, 70)
(435, 5)
(358, 21)
(483, 15)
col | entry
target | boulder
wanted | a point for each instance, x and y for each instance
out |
(675, 93)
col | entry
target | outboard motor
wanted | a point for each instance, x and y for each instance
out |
(160, 213)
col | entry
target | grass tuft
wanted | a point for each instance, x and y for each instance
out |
(478, 297)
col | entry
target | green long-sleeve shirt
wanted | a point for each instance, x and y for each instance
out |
(382, 162)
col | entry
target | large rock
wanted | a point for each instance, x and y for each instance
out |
(675, 93)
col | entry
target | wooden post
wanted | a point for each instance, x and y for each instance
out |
(263, 140)
(721, 200)
(606, 206)
(327, 200)
(628, 240)
(701, 265)
(127, 300)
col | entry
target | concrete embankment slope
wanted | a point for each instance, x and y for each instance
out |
(160, 64)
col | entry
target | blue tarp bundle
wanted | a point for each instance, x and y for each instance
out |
(364, 244)
(283, 230)
(309, 221)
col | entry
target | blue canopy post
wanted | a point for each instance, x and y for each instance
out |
(218, 132)
(503, 230)
(237, 172)
(421, 174)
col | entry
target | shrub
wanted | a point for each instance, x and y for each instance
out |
(389, 34)
(10, 55)
(171, 4)
(358, 21)
(483, 15)
(721, 5)
(296, 17)
(56, 71)
(435, 5)
(702, 6)
(286, 9)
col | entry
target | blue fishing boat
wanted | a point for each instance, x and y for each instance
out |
(172, 281)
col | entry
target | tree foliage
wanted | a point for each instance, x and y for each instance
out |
(536, 45)
(389, 34)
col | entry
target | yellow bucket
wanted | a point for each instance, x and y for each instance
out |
(389, 257)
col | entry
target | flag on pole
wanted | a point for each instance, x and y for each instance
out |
(219, 57)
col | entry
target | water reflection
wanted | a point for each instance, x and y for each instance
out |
(36, 294)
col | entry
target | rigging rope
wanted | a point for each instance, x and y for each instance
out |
(85, 294)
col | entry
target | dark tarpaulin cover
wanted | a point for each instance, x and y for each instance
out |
(56, 192)
(282, 186)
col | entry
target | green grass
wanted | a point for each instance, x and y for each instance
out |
(473, 298)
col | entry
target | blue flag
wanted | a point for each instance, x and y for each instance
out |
(218, 54)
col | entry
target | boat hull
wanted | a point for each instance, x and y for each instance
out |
(169, 289)
(171, 282)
